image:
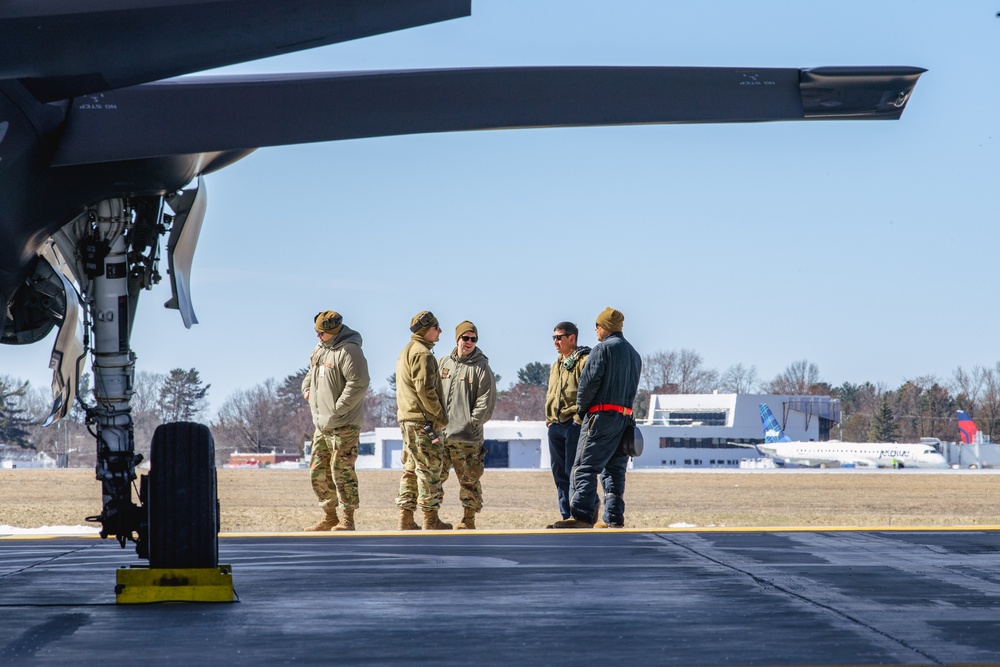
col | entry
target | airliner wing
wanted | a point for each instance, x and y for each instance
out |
(219, 114)
(63, 48)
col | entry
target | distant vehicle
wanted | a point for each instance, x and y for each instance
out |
(784, 450)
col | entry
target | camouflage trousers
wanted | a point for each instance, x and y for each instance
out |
(468, 460)
(331, 467)
(421, 485)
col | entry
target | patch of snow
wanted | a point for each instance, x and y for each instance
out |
(683, 525)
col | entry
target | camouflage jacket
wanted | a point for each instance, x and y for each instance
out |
(418, 385)
(337, 381)
(470, 395)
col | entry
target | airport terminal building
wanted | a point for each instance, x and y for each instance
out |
(719, 430)
(682, 431)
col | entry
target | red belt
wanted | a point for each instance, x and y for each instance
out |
(601, 407)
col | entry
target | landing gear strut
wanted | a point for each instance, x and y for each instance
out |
(176, 524)
(103, 249)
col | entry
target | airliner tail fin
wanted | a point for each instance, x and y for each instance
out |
(966, 428)
(772, 431)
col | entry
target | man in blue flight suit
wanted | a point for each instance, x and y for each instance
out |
(608, 385)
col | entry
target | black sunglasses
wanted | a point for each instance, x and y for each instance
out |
(560, 336)
(469, 339)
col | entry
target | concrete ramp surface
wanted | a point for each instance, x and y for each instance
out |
(537, 598)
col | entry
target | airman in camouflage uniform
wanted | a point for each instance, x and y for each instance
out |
(422, 418)
(335, 387)
(470, 396)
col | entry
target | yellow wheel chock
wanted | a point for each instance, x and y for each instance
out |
(139, 584)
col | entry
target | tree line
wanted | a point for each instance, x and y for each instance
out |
(273, 416)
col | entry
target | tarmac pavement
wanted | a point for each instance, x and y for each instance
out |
(670, 597)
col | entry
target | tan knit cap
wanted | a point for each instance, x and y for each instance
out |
(463, 327)
(611, 320)
(329, 321)
(422, 322)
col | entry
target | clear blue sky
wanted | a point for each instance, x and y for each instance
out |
(867, 248)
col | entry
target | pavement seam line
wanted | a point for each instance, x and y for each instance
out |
(814, 603)
(46, 561)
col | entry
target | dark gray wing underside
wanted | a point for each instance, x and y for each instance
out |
(63, 48)
(213, 114)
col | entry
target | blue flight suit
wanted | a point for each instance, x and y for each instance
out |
(610, 378)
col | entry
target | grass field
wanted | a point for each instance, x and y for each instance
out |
(262, 500)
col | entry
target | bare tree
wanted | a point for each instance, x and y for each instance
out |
(293, 406)
(146, 389)
(67, 440)
(252, 420)
(739, 379)
(968, 387)
(798, 379)
(989, 410)
(692, 377)
(522, 400)
(34, 404)
(672, 372)
(659, 372)
(380, 409)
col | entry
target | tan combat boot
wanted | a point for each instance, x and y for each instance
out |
(468, 521)
(406, 521)
(328, 523)
(348, 523)
(432, 522)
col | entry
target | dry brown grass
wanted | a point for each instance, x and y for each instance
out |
(281, 500)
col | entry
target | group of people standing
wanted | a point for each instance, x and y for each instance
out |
(443, 406)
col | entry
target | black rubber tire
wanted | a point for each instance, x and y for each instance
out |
(183, 505)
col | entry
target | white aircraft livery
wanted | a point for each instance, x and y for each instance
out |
(780, 447)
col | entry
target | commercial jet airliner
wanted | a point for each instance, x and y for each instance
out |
(780, 447)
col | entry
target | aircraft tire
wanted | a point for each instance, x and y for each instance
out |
(183, 503)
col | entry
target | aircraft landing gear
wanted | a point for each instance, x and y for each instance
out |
(177, 525)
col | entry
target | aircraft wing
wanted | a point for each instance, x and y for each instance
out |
(63, 48)
(216, 114)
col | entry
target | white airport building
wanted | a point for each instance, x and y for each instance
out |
(509, 444)
(681, 431)
(707, 430)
